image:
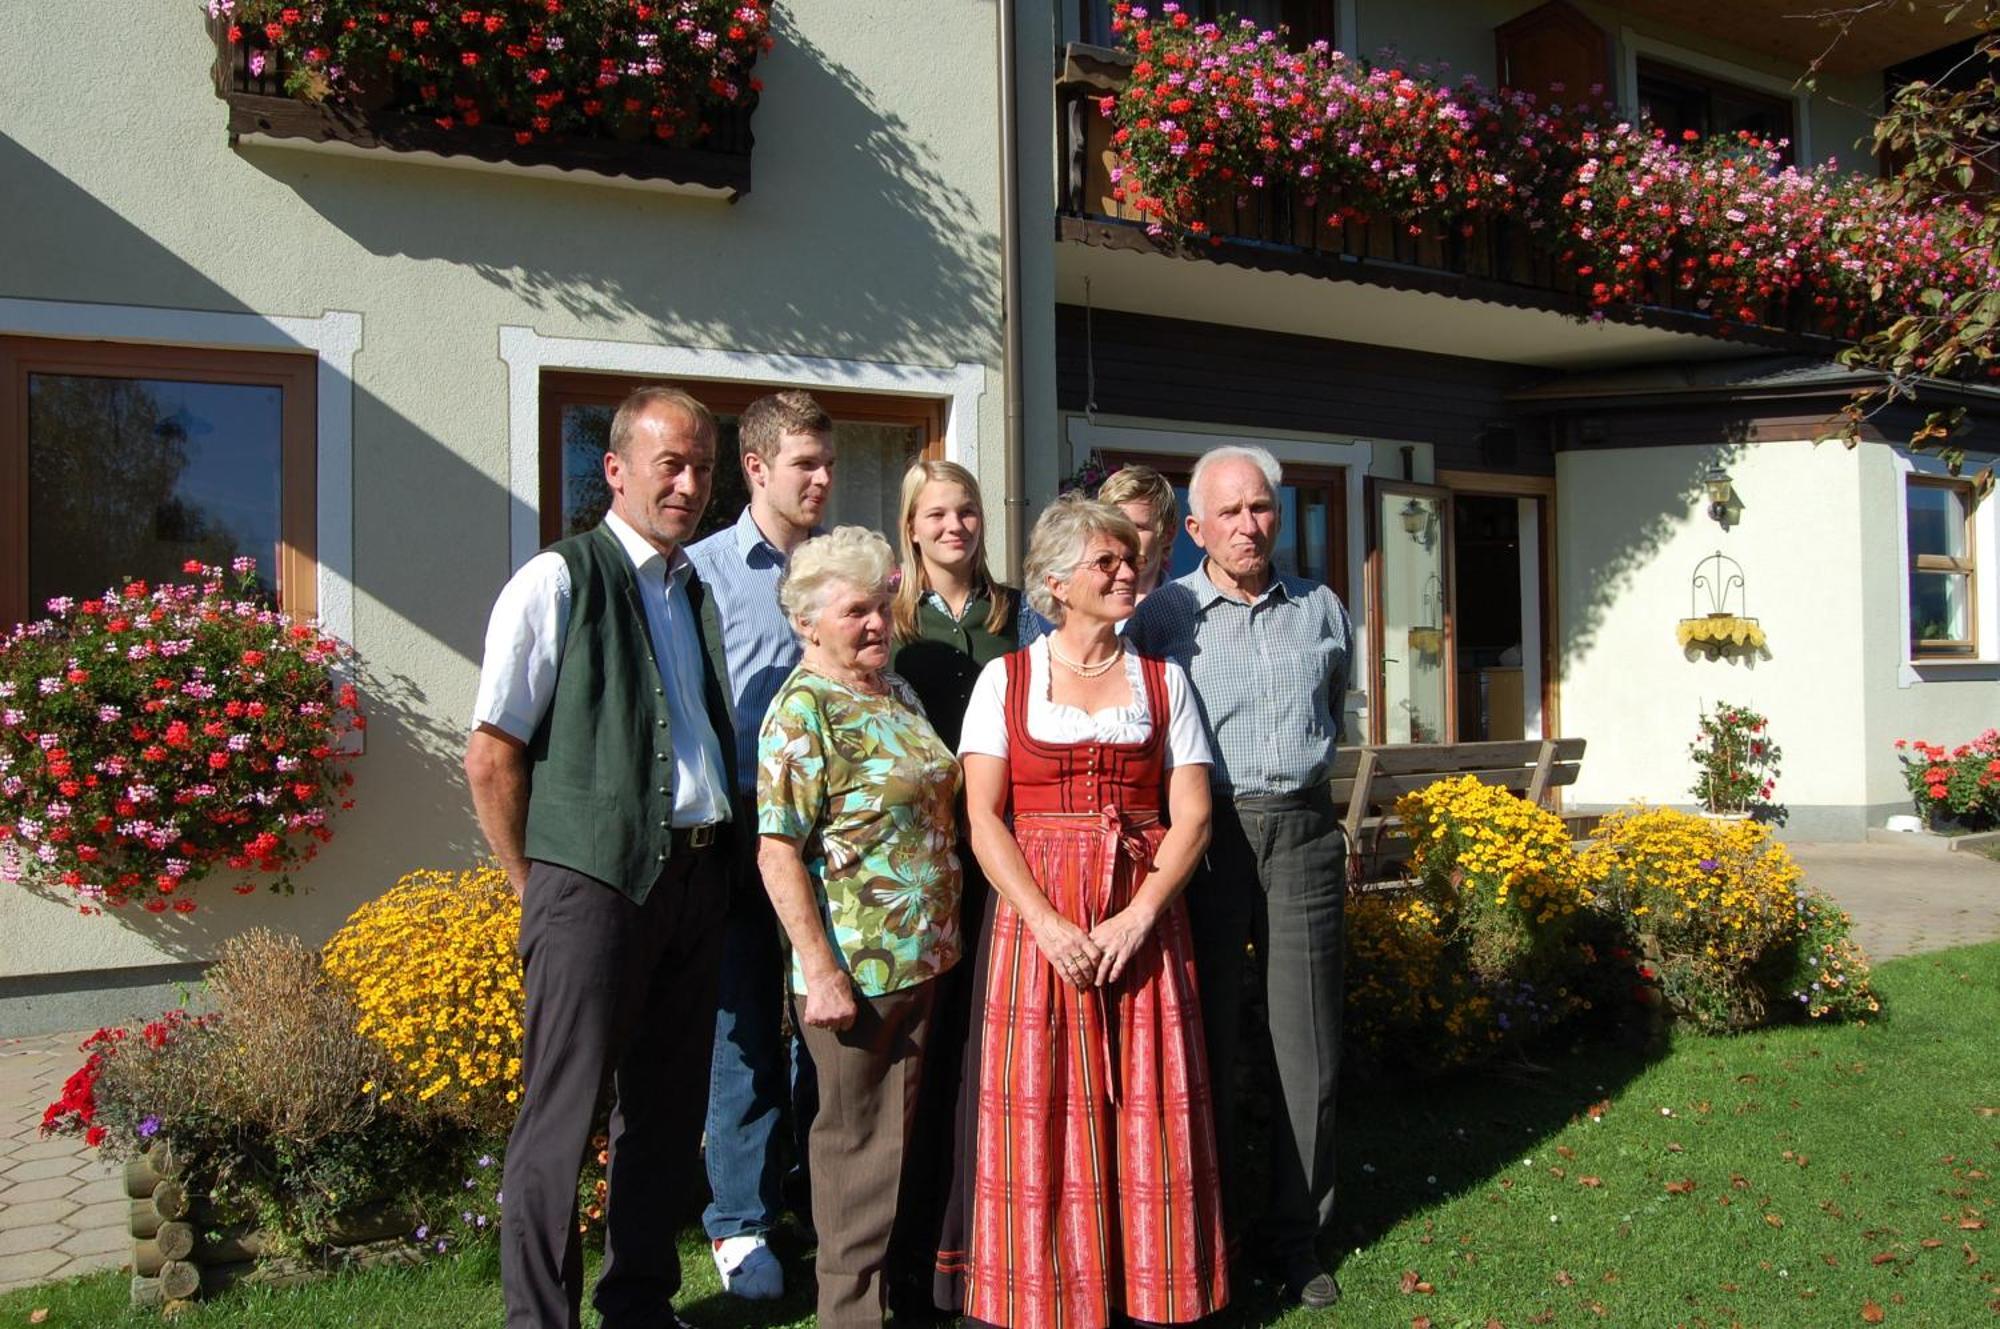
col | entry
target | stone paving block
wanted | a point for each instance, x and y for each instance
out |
(37, 1168)
(100, 1190)
(54, 1146)
(37, 1237)
(22, 1216)
(31, 1266)
(97, 1241)
(48, 1188)
(93, 1216)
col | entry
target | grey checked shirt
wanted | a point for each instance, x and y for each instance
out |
(1270, 677)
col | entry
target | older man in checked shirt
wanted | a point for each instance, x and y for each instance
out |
(1269, 656)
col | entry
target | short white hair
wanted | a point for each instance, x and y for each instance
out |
(845, 556)
(1274, 474)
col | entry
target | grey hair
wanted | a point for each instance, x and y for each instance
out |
(847, 555)
(1261, 458)
(1063, 531)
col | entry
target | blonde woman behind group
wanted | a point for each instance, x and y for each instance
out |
(952, 619)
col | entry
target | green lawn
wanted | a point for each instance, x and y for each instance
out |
(1800, 1178)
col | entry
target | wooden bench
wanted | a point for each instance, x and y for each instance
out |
(1367, 781)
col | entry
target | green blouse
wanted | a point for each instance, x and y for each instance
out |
(943, 660)
(869, 791)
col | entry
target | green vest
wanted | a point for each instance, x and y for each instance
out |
(942, 662)
(601, 764)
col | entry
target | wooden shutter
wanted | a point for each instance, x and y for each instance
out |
(1550, 45)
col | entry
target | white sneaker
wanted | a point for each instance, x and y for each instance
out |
(748, 1268)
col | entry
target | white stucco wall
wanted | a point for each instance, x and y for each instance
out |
(1632, 527)
(1819, 539)
(870, 241)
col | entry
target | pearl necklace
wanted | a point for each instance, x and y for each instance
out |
(1085, 670)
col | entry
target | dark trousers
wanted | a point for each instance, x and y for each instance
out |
(627, 992)
(1274, 880)
(869, 1074)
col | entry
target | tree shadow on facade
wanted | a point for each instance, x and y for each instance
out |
(1638, 545)
(411, 809)
(855, 241)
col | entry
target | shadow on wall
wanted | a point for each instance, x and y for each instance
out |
(411, 808)
(1611, 576)
(900, 268)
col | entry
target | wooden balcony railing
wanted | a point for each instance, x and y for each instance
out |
(1275, 228)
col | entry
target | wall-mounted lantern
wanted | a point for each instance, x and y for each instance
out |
(1716, 485)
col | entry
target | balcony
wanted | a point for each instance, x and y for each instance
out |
(1493, 260)
(260, 112)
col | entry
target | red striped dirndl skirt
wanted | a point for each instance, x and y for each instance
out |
(1095, 1189)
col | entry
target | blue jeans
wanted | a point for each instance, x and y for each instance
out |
(755, 1071)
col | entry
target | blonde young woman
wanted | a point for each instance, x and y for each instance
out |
(952, 620)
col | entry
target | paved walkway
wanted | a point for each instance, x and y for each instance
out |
(63, 1211)
(1905, 900)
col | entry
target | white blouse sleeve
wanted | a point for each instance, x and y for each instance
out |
(985, 727)
(524, 635)
(1187, 741)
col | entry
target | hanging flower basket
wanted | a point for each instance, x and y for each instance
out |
(1720, 633)
(1427, 641)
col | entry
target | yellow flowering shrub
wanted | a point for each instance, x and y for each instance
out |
(433, 970)
(1478, 955)
(1709, 899)
(1503, 866)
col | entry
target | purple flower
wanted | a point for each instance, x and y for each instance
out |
(1709, 865)
(486, 1160)
(149, 1126)
(423, 1230)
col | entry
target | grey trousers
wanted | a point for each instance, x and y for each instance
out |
(1274, 880)
(868, 1080)
(626, 992)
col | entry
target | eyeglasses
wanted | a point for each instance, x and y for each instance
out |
(1106, 563)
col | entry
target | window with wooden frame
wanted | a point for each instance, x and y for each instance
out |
(1304, 21)
(1942, 572)
(1312, 507)
(876, 437)
(1678, 101)
(122, 461)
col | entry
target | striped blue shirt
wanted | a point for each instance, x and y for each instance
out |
(1270, 677)
(741, 570)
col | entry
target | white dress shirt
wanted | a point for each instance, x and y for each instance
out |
(524, 647)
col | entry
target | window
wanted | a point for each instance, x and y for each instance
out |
(1676, 100)
(1941, 567)
(875, 439)
(120, 461)
(1306, 21)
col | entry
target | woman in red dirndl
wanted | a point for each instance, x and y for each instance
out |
(1095, 1189)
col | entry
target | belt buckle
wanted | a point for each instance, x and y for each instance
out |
(702, 836)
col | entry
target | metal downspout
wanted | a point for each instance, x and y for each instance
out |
(1010, 287)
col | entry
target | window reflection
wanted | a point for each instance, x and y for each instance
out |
(134, 477)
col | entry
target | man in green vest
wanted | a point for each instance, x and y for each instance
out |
(600, 783)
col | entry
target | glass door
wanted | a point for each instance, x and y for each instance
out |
(1410, 584)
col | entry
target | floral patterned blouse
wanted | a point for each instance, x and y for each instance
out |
(869, 791)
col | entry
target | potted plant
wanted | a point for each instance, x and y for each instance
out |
(1954, 789)
(1736, 763)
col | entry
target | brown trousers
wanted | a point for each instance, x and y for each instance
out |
(869, 1074)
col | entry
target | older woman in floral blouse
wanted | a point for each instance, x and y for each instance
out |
(856, 810)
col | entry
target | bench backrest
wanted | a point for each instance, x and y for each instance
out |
(1367, 781)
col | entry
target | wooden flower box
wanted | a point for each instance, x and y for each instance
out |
(261, 113)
